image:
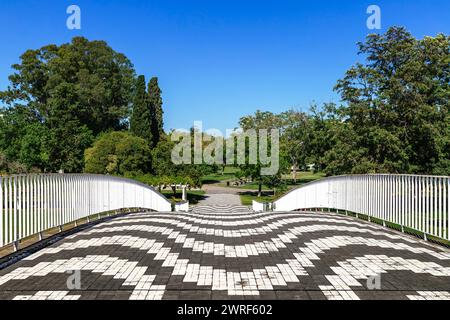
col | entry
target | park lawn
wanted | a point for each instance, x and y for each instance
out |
(228, 174)
(247, 198)
(251, 186)
(302, 178)
(193, 196)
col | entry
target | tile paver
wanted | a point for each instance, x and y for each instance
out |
(228, 252)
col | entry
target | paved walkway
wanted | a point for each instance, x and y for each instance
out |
(232, 255)
(221, 196)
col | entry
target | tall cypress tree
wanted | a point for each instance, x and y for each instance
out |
(141, 121)
(155, 101)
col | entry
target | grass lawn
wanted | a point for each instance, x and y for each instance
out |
(302, 178)
(248, 197)
(217, 177)
(193, 196)
(251, 186)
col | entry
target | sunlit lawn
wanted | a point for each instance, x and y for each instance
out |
(247, 198)
(302, 178)
(227, 174)
(193, 196)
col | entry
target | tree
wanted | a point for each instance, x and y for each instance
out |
(295, 138)
(268, 121)
(24, 140)
(325, 125)
(162, 161)
(275, 182)
(260, 120)
(75, 91)
(397, 106)
(141, 121)
(118, 153)
(155, 101)
(163, 165)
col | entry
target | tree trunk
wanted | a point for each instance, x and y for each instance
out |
(294, 172)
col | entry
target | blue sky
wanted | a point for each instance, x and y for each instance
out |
(218, 60)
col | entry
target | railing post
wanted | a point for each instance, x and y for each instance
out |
(448, 208)
(16, 216)
(2, 216)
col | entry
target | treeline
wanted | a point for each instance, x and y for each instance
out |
(394, 116)
(80, 107)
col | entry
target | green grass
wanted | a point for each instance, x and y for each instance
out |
(248, 197)
(228, 174)
(251, 186)
(193, 196)
(302, 178)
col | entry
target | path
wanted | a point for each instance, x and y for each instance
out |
(220, 196)
(219, 255)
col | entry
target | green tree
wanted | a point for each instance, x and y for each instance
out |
(161, 158)
(268, 121)
(141, 121)
(24, 140)
(76, 91)
(397, 105)
(295, 138)
(118, 153)
(163, 165)
(156, 106)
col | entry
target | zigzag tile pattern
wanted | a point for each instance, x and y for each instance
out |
(229, 252)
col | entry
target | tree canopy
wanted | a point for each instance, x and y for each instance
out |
(396, 105)
(79, 106)
(155, 102)
(394, 116)
(71, 92)
(118, 153)
(141, 120)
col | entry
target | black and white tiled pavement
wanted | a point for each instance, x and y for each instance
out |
(232, 253)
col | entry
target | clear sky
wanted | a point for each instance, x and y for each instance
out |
(218, 60)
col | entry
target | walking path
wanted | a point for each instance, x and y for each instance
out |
(214, 253)
(221, 196)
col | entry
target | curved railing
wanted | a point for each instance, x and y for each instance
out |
(420, 203)
(31, 204)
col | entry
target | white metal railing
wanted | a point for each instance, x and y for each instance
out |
(31, 204)
(417, 202)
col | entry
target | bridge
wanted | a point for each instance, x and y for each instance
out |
(346, 238)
